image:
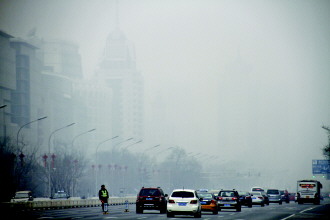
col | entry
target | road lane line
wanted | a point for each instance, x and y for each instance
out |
(288, 217)
(307, 209)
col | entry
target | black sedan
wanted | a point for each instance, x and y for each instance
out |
(245, 198)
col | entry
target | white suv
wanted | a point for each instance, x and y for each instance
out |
(184, 202)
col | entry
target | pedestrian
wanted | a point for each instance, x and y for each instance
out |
(104, 196)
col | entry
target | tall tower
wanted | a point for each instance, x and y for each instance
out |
(118, 70)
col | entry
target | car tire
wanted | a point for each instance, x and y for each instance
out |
(250, 205)
(139, 211)
(215, 212)
(262, 204)
(280, 203)
(198, 215)
(169, 215)
(239, 209)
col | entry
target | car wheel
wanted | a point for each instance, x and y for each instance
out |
(169, 215)
(280, 203)
(198, 215)
(215, 212)
(250, 206)
(238, 209)
(139, 210)
(262, 204)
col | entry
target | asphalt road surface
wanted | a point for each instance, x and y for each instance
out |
(291, 211)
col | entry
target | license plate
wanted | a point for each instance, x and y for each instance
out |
(227, 204)
(203, 203)
(182, 203)
(148, 198)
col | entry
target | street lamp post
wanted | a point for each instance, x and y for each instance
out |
(132, 145)
(125, 167)
(75, 165)
(26, 125)
(140, 166)
(50, 136)
(4, 123)
(81, 135)
(97, 147)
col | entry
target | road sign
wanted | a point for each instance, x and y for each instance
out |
(321, 166)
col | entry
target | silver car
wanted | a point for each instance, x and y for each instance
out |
(274, 196)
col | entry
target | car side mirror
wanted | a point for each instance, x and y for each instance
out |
(166, 195)
(200, 199)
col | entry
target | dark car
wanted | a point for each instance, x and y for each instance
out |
(151, 199)
(245, 198)
(266, 198)
(229, 199)
(285, 195)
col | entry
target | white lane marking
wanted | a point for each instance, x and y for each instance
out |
(288, 217)
(307, 209)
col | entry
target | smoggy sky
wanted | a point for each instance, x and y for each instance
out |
(238, 79)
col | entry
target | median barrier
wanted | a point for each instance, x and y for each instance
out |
(70, 203)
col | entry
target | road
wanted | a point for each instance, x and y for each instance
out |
(291, 211)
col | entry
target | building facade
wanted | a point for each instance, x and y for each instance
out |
(118, 69)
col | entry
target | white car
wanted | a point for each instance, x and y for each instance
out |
(184, 202)
(22, 196)
(257, 199)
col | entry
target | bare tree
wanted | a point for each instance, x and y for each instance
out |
(326, 148)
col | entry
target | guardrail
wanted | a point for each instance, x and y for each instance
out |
(69, 203)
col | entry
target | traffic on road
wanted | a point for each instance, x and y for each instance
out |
(290, 211)
(154, 203)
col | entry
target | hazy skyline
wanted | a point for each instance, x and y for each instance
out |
(229, 78)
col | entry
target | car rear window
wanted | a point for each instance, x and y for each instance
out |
(272, 191)
(149, 192)
(183, 194)
(227, 194)
(21, 195)
(205, 195)
(257, 189)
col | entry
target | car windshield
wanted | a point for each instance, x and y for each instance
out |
(242, 193)
(205, 195)
(21, 195)
(272, 191)
(227, 194)
(149, 192)
(256, 193)
(183, 194)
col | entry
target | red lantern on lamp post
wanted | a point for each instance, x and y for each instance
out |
(45, 160)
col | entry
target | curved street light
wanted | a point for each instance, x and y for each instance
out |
(132, 145)
(50, 136)
(4, 122)
(81, 135)
(140, 163)
(97, 147)
(26, 125)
